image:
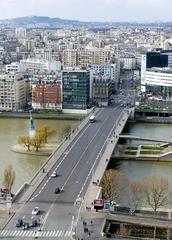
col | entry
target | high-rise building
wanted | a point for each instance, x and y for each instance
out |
(102, 90)
(20, 32)
(76, 89)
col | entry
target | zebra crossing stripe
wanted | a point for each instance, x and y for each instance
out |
(53, 233)
(27, 233)
(5, 231)
(18, 232)
(57, 233)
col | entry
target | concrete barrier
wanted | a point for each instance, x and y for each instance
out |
(20, 192)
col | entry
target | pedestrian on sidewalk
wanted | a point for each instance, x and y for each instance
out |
(91, 222)
(43, 170)
(89, 234)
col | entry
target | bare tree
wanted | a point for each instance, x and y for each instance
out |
(26, 140)
(37, 141)
(135, 195)
(46, 132)
(156, 190)
(9, 177)
(113, 184)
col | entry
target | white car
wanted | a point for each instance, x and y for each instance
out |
(35, 211)
(54, 174)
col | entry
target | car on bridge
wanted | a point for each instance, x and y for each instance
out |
(35, 211)
(57, 190)
(54, 174)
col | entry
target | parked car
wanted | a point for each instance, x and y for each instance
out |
(19, 223)
(54, 174)
(35, 211)
(57, 190)
(34, 223)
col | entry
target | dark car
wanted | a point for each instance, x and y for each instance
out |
(57, 190)
(19, 223)
(34, 223)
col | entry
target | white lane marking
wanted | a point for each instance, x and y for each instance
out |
(60, 233)
(44, 234)
(72, 145)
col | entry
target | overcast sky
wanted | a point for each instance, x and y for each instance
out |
(96, 10)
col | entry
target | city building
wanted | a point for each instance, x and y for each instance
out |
(20, 32)
(14, 68)
(158, 83)
(47, 96)
(12, 92)
(42, 65)
(101, 90)
(128, 63)
(86, 57)
(76, 89)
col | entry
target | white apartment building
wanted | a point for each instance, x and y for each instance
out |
(20, 32)
(158, 82)
(128, 63)
(14, 68)
(12, 92)
(42, 65)
(110, 70)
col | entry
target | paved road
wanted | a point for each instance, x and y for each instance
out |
(75, 168)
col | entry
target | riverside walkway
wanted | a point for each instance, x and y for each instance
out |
(139, 138)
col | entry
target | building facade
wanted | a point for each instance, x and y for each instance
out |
(76, 89)
(102, 90)
(158, 83)
(47, 96)
(12, 92)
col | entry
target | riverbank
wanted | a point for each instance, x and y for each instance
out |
(43, 115)
(46, 150)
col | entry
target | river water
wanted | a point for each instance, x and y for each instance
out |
(25, 166)
(139, 171)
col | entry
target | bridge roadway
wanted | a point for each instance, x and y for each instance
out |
(75, 168)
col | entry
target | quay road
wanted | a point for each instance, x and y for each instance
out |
(75, 168)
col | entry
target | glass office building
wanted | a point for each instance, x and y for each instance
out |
(76, 89)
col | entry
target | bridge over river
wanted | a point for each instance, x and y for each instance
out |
(75, 162)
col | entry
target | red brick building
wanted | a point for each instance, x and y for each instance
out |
(47, 96)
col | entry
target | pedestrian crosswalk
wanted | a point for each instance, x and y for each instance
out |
(29, 233)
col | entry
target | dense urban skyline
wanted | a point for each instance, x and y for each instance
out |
(90, 10)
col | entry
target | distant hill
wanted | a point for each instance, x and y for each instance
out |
(47, 22)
